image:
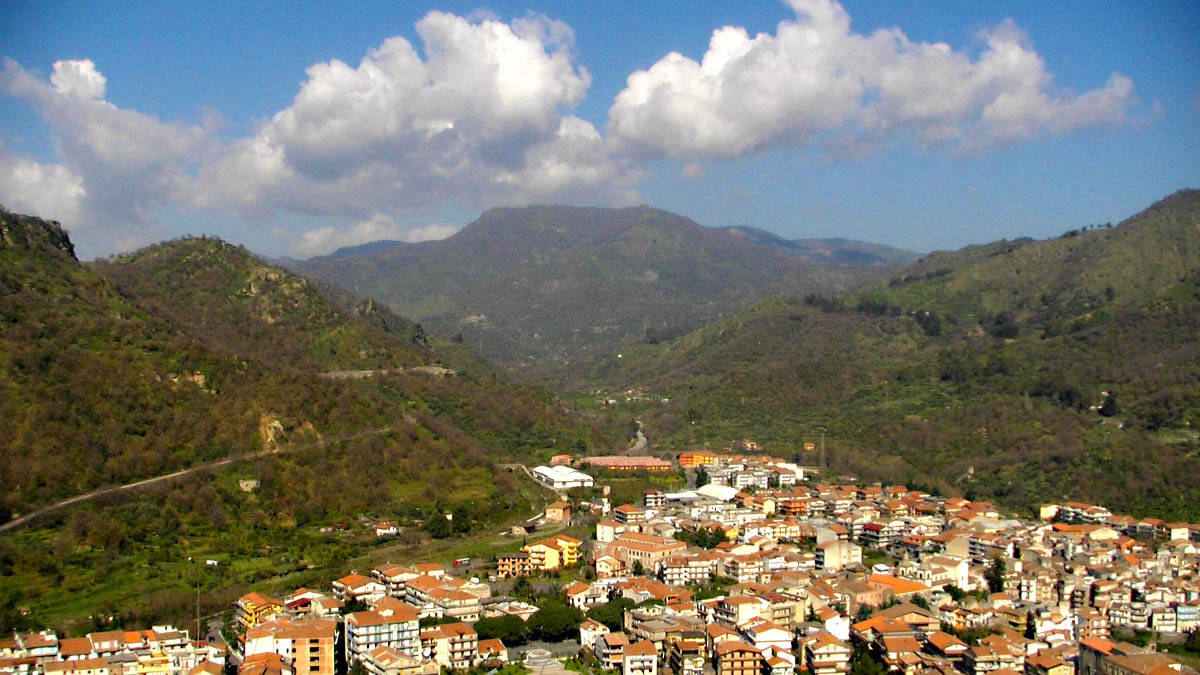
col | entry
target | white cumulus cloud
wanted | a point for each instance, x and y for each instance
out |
(379, 227)
(480, 119)
(78, 78)
(816, 78)
(49, 191)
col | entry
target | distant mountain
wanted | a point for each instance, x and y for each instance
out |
(1023, 371)
(194, 351)
(836, 251)
(556, 282)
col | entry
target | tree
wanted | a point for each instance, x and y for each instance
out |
(611, 613)
(554, 622)
(638, 568)
(1109, 407)
(437, 526)
(1030, 625)
(522, 588)
(701, 477)
(863, 662)
(920, 601)
(509, 629)
(995, 575)
(956, 594)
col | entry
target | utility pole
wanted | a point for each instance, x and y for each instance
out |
(823, 461)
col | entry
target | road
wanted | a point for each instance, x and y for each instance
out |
(640, 443)
(207, 466)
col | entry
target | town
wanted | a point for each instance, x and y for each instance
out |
(761, 569)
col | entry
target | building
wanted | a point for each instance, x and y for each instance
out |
(558, 512)
(306, 646)
(639, 658)
(626, 463)
(394, 624)
(694, 459)
(735, 657)
(835, 554)
(685, 652)
(451, 645)
(561, 477)
(254, 608)
(824, 654)
(517, 564)
(553, 553)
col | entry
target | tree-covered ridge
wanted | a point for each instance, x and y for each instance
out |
(1023, 371)
(236, 303)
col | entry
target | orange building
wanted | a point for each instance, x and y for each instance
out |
(693, 459)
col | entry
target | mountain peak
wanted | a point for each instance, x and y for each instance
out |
(33, 233)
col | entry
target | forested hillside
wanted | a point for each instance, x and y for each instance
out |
(193, 351)
(1023, 371)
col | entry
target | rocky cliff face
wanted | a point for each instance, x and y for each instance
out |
(28, 232)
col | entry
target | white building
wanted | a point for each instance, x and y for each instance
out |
(561, 477)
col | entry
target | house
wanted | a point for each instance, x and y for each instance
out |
(384, 660)
(589, 632)
(611, 650)
(265, 664)
(358, 587)
(306, 645)
(558, 512)
(90, 666)
(685, 652)
(639, 658)
(824, 654)
(583, 596)
(450, 645)
(493, 651)
(254, 608)
(735, 657)
(834, 554)
(607, 530)
(628, 514)
(632, 548)
(738, 609)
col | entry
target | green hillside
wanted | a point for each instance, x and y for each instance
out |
(1022, 371)
(550, 283)
(194, 351)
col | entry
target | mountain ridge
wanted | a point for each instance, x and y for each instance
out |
(552, 282)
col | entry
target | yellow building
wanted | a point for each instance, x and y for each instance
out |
(254, 608)
(553, 553)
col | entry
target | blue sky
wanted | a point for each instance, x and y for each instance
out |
(295, 128)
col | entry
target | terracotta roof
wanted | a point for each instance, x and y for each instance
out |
(642, 648)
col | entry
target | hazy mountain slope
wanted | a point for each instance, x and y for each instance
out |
(837, 251)
(981, 371)
(553, 281)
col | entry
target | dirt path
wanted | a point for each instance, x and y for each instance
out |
(99, 492)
